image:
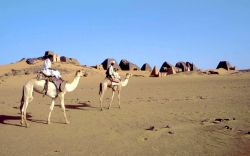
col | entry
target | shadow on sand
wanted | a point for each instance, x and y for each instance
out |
(45, 122)
(6, 119)
(80, 105)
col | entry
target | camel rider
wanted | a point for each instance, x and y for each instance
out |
(112, 74)
(116, 74)
(47, 70)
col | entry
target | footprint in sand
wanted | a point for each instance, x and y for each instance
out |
(244, 133)
(218, 123)
(247, 134)
(201, 97)
(154, 133)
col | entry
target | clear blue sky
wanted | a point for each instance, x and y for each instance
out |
(152, 31)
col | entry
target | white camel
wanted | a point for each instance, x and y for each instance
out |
(106, 83)
(38, 86)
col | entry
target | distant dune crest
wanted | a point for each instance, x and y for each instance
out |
(60, 62)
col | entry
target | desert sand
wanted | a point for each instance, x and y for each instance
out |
(182, 114)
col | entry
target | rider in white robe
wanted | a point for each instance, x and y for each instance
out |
(112, 73)
(46, 69)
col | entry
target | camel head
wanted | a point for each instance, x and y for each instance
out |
(81, 73)
(128, 75)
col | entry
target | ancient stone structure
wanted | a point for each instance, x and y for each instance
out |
(146, 67)
(127, 65)
(226, 65)
(155, 72)
(107, 62)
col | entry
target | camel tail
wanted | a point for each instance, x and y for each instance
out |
(22, 101)
(100, 89)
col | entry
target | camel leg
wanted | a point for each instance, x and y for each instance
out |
(112, 97)
(102, 92)
(63, 108)
(102, 95)
(101, 98)
(24, 116)
(22, 112)
(31, 99)
(27, 98)
(101, 102)
(119, 98)
(24, 109)
(51, 109)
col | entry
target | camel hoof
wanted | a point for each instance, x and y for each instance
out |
(101, 109)
(67, 122)
(48, 122)
(26, 125)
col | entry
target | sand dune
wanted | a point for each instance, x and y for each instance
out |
(182, 114)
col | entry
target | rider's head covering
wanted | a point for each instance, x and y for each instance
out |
(112, 62)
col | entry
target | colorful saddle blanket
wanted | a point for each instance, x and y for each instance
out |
(59, 83)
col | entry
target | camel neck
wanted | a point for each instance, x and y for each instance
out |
(124, 82)
(72, 86)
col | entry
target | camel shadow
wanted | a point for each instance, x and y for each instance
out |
(5, 119)
(45, 122)
(80, 105)
(38, 121)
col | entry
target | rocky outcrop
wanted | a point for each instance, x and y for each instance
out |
(191, 66)
(182, 66)
(107, 62)
(69, 60)
(127, 65)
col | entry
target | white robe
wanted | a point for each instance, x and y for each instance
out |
(111, 71)
(46, 69)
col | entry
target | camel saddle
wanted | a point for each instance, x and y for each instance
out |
(113, 82)
(59, 83)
